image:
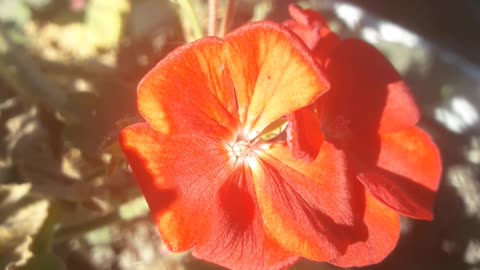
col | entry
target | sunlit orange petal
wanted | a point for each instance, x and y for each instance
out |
(408, 173)
(177, 187)
(305, 206)
(273, 74)
(188, 91)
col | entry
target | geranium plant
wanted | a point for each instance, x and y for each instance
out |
(279, 142)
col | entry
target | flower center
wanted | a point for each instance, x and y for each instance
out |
(241, 148)
(244, 153)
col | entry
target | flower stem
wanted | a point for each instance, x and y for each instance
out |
(227, 19)
(43, 239)
(67, 233)
(212, 17)
(129, 210)
(187, 9)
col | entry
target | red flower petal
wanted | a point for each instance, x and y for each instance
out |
(177, 175)
(304, 134)
(408, 173)
(383, 231)
(273, 73)
(366, 93)
(186, 92)
(237, 239)
(312, 28)
(307, 24)
(305, 206)
(197, 198)
(203, 86)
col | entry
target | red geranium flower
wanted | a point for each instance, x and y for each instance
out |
(216, 181)
(212, 180)
(369, 116)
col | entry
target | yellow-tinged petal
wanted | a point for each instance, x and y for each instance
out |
(273, 74)
(186, 92)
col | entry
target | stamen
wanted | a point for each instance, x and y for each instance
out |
(239, 149)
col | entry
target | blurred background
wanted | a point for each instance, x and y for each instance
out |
(68, 74)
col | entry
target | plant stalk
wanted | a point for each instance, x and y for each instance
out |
(228, 18)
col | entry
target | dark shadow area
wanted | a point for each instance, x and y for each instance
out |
(453, 24)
